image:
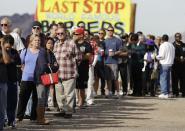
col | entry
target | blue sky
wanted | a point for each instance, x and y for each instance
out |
(153, 16)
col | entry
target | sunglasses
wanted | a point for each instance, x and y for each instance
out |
(81, 26)
(76, 34)
(4, 25)
(101, 33)
(60, 33)
(36, 27)
(110, 30)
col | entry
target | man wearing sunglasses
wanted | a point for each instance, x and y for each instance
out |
(178, 72)
(6, 30)
(67, 55)
(112, 47)
(36, 30)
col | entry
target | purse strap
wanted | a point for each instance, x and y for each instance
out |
(25, 55)
(50, 68)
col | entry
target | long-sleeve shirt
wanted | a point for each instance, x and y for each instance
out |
(166, 54)
(18, 44)
(68, 56)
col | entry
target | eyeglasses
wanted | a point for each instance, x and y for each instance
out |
(4, 25)
(36, 27)
(81, 26)
(110, 30)
(76, 34)
(60, 33)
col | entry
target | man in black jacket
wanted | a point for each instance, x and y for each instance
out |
(178, 72)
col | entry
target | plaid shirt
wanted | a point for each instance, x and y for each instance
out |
(68, 56)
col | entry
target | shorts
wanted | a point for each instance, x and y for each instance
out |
(111, 72)
(99, 70)
(83, 72)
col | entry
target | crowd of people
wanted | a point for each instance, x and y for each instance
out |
(129, 64)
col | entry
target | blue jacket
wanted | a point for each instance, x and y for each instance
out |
(41, 65)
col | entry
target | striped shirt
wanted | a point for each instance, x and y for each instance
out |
(68, 56)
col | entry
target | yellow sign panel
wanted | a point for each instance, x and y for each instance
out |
(94, 14)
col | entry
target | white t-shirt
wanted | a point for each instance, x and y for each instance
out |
(166, 53)
(18, 45)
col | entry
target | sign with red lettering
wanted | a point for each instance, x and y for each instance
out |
(94, 14)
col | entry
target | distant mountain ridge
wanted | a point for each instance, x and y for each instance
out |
(22, 21)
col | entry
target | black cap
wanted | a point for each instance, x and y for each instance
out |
(36, 23)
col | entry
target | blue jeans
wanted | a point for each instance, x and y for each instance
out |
(3, 103)
(11, 101)
(165, 79)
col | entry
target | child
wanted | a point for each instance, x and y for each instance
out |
(149, 66)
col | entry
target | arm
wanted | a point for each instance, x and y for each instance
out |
(88, 52)
(118, 47)
(95, 60)
(18, 44)
(145, 62)
(122, 54)
(78, 54)
(54, 63)
(161, 53)
(15, 58)
(56, 53)
(5, 57)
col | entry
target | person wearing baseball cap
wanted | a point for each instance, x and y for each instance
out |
(79, 31)
(150, 65)
(36, 24)
(36, 30)
(83, 69)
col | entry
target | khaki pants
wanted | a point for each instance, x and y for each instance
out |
(90, 88)
(65, 94)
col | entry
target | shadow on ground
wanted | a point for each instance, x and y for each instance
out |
(105, 114)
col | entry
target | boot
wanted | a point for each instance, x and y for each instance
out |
(40, 116)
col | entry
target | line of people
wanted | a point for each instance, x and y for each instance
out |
(84, 62)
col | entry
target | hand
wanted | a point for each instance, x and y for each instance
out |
(22, 67)
(91, 65)
(82, 49)
(55, 64)
(111, 53)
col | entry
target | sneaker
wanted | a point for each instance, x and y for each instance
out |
(11, 124)
(60, 114)
(50, 102)
(68, 116)
(48, 109)
(108, 96)
(80, 107)
(90, 104)
(19, 120)
(27, 117)
(163, 96)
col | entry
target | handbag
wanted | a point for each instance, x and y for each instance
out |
(154, 74)
(49, 79)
